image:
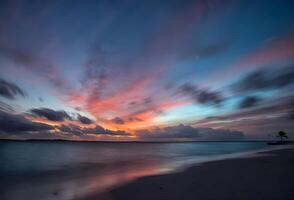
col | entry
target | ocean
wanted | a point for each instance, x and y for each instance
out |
(73, 170)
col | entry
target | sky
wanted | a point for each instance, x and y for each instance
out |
(146, 70)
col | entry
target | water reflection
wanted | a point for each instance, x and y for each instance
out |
(75, 184)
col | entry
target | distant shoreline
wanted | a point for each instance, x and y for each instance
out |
(89, 141)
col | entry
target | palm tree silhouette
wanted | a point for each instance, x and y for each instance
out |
(282, 135)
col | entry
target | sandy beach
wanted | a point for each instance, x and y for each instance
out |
(269, 176)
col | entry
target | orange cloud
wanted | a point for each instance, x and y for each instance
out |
(143, 118)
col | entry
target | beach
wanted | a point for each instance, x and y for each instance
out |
(268, 175)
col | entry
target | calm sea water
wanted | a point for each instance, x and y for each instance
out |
(72, 170)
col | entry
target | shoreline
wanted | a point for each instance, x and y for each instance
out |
(229, 156)
(263, 174)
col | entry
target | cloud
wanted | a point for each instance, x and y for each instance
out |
(5, 107)
(84, 120)
(117, 103)
(221, 134)
(277, 107)
(18, 124)
(97, 130)
(267, 117)
(134, 119)
(180, 131)
(50, 114)
(11, 123)
(58, 115)
(200, 95)
(10, 90)
(274, 51)
(71, 129)
(189, 133)
(266, 80)
(31, 60)
(101, 131)
(118, 120)
(249, 102)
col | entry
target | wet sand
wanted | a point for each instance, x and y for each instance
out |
(269, 176)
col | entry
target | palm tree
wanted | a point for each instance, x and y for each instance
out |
(282, 135)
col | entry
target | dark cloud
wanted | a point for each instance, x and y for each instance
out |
(147, 100)
(118, 120)
(78, 108)
(205, 97)
(146, 104)
(50, 114)
(200, 95)
(221, 134)
(71, 129)
(180, 131)
(249, 102)
(132, 103)
(18, 124)
(265, 80)
(10, 90)
(84, 120)
(188, 132)
(276, 107)
(58, 115)
(267, 117)
(97, 130)
(134, 119)
(11, 123)
(101, 131)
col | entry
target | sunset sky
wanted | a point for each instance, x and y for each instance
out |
(146, 70)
